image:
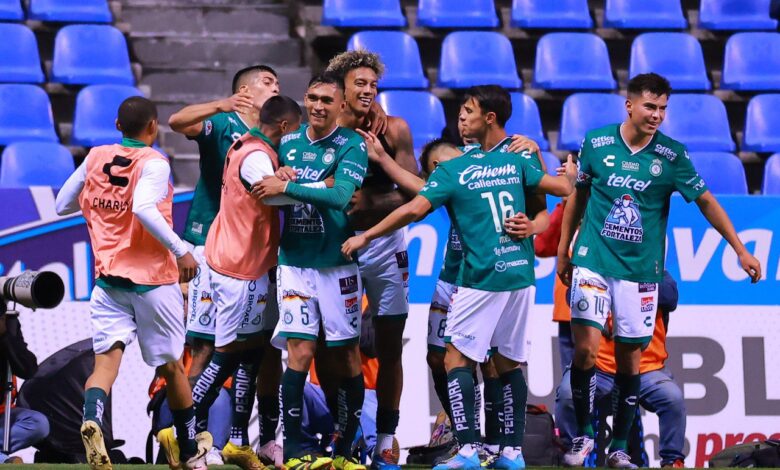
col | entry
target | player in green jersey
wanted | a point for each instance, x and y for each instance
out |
(317, 287)
(215, 126)
(627, 174)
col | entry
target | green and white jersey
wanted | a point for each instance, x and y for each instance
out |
(312, 236)
(624, 227)
(480, 190)
(215, 138)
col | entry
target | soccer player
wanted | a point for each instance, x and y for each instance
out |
(384, 265)
(317, 287)
(215, 126)
(490, 304)
(125, 194)
(627, 173)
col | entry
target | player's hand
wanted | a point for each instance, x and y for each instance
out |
(522, 143)
(188, 267)
(329, 181)
(270, 186)
(564, 269)
(519, 226)
(286, 173)
(751, 265)
(569, 170)
(241, 102)
(374, 147)
(377, 119)
(357, 202)
(353, 244)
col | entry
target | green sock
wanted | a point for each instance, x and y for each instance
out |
(184, 423)
(207, 387)
(291, 399)
(460, 383)
(94, 404)
(242, 396)
(350, 403)
(440, 386)
(515, 397)
(477, 403)
(583, 390)
(268, 409)
(628, 395)
(493, 410)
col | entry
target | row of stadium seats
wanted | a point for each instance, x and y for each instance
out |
(65, 11)
(83, 55)
(727, 15)
(574, 61)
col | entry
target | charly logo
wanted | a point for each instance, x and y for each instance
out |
(656, 168)
(329, 156)
(624, 221)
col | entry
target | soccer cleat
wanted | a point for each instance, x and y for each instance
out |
(196, 462)
(167, 439)
(511, 458)
(679, 463)
(308, 462)
(487, 455)
(92, 437)
(387, 459)
(460, 462)
(442, 432)
(619, 459)
(243, 457)
(344, 463)
(581, 447)
(270, 453)
(214, 457)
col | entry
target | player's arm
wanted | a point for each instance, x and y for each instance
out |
(67, 201)
(189, 120)
(561, 185)
(717, 217)
(151, 188)
(407, 181)
(574, 211)
(256, 166)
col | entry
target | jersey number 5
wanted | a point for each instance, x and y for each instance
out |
(117, 180)
(505, 201)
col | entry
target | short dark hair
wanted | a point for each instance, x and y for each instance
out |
(279, 107)
(492, 98)
(327, 78)
(650, 82)
(134, 114)
(242, 74)
(425, 155)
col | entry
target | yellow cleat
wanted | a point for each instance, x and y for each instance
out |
(92, 437)
(241, 456)
(308, 462)
(167, 439)
(344, 463)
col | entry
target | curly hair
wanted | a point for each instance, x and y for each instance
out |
(350, 60)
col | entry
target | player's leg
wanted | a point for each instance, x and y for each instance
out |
(269, 378)
(493, 398)
(437, 323)
(660, 394)
(201, 319)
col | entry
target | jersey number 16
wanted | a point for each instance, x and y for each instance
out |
(503, 211)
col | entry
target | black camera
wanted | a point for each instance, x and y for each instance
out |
(32, 289)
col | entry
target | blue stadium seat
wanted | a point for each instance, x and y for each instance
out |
(771, 183)
(91, 54)
(359, 13)
(723, 172)
(572, 61)
(95, 116)
(525, 119)
(544, 14)
(644, 14)
(460, 14)
(400, 54)
(68, 11)
(762, 133)
(586, 111)
(11, 10)
(552, 162)
(752, 62)
(735, 15)
(475, 58)
(25, 114)
(700, 122)
(682, 64)
(19, 59)
(421, 109)
(35, 164)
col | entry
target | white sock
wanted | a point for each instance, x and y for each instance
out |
(492, 448)
(467, 450)
(384, 441)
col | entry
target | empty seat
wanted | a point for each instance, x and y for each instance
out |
(525, 119)
(644, 14)
(91, 54)
(35, 164)
(771, 183)
(762, 133)
(735, 15)
(544, 14)
(475, 58)
(11, 10)
(68, 11)
(586, 111)
(723, 172)
(752, 62)
(421, 109)
(682, 63)
(551, 162)
(460, 14)
(95, 116)
(572, 61)
(400, 54)
(25, 114)
(700, 122)
(359, 13)
(19, 59)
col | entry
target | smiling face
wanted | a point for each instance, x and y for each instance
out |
(647, 111)
(323, 102)
(360, 89)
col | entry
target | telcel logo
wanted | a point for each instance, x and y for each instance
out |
(628, 182)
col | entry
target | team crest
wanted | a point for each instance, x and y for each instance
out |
(624, 221)
(208, 127)
(329, 156)
(656, 168)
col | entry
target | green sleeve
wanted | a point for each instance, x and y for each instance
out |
(438, 188)
(336, 197)
(585, 174)
(211, 129)
(687, 181)
(353, 164)
(532, 174)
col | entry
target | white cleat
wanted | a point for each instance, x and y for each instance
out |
(214, 457)
(581, 447)
(619, 459)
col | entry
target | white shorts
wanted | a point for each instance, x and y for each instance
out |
(633, 304)
(310, 297)
(384, 269)
(437, 315)
(239, 307)
(200, 309)
(271, 313)
(479, 321)
(156, 317)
